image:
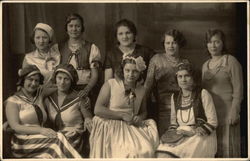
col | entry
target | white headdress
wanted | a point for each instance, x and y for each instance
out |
(139, 62)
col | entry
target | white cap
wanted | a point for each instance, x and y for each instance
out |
(46, 28)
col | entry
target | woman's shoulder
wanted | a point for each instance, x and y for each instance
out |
(231, 59)
(30, 54)
(157, 57)
(13, 99)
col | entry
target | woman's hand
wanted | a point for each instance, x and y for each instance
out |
(88, 124)
(137, 120)
(127, 117)
(234, 117)
(84, 92)
(200, 131)
(48, 132)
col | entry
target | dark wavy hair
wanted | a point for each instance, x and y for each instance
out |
(177, 35)
(119, 71)
(210, 33)
(127, 23)
(195, 74)
(74, 16)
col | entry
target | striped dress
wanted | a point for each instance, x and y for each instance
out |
(37, 145)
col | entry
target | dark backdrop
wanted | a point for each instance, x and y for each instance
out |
(151, 19)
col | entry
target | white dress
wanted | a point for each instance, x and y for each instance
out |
(117, 139)
(194, 146)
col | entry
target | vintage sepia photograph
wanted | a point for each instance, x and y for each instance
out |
(124, 79)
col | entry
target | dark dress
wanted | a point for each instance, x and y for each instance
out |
(114, 57)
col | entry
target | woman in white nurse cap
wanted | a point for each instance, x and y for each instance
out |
(46, 55)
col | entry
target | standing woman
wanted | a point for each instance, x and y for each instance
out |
(119, 127)
(68, 112)
(125, 34)
(26, 115)
(46, 56)
(161, 75)
(82, 54)
(222, 77)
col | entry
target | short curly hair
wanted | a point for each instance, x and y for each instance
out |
(177, 35)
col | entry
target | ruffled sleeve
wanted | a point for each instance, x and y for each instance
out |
(95, 57)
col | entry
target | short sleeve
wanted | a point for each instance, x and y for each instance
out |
(95, 57)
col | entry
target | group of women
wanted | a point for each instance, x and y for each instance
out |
(51, 111)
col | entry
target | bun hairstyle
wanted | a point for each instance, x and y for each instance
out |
(177, 35)
(74, 16)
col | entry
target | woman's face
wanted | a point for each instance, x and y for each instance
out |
(74, 29)
(124, 36)
(41, 40)
(185, 80)
(63, 82)
(215, 45)
(131, 74)
(171, 46)
(31, 83)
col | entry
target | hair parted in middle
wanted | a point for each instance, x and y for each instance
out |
(74, 16)
(195, 74)
(212, 32)
(127, 23)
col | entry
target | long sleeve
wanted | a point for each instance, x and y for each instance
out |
(173, 117)
(209, 108)
(237, 82)
(150, 77)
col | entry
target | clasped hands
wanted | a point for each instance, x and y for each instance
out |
(132, 119)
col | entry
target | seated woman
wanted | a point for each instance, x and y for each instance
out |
(119, 129)
(46, 56)
(68, 112)
(26, 116)
(193, 120)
